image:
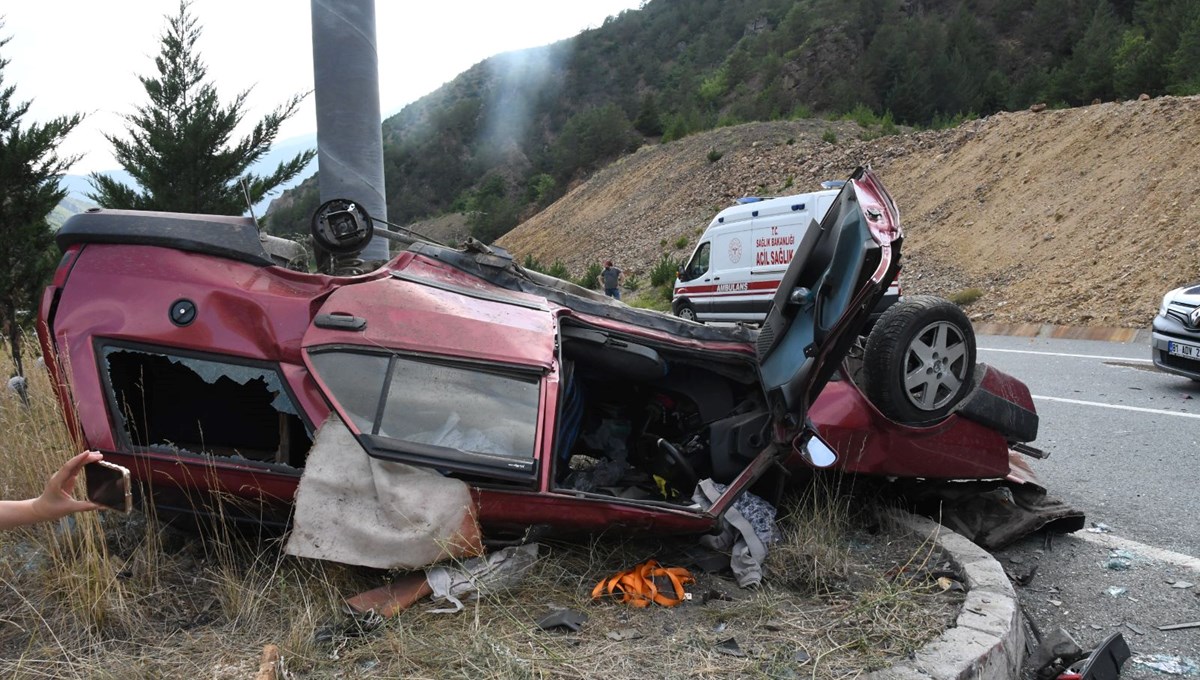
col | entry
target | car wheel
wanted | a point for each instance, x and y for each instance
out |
(686, 311)
(919, 359)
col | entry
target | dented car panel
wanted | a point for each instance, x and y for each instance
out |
(971, 443)
(548, 407)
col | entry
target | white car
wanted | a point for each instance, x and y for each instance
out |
(1175, 340)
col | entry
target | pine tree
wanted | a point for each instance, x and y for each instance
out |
(178, 146)
(30, 168)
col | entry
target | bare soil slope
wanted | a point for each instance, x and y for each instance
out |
(1083, 216)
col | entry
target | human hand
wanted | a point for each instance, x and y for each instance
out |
(57, 499)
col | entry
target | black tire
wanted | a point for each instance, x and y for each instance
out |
(919, 360)
(685, 310)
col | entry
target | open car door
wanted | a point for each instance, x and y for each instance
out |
(840, 269)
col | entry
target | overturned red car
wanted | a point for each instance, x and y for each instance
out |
(451, 390)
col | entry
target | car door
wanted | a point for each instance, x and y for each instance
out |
(839, 271)
(436, 384)
(696, 280)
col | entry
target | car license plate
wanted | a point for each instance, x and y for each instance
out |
(1185, 350)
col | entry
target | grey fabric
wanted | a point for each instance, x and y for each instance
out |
(738, 535)
(485, 575)
(355, 509)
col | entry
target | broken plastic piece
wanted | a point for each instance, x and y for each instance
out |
(1117, 591)
(563, 618)
(1056, 651)
(1105, 661)
(729, 647)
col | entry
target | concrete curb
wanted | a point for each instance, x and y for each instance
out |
(1045, 330)
(987, 641)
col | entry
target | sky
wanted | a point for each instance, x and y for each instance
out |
(84, 56)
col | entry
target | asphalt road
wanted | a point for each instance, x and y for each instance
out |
(1124, 441)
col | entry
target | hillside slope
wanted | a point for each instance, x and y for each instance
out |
(1082, 216)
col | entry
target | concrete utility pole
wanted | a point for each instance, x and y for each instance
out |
(349, 126)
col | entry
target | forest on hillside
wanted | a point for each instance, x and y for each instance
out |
(510, 135)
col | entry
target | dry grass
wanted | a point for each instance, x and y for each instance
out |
(108, 596)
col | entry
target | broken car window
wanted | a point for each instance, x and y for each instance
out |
(167, 401)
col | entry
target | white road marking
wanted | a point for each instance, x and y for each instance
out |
(1139, 409)
(1113, 542)
(1066, 354)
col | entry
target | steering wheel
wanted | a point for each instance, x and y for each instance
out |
(679, 462)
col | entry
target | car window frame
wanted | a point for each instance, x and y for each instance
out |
(475, 464)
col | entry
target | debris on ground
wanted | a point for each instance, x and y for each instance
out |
(1022, 578)
(729, 647)
(623, 635)
(645, 584)
(1117, 591)
(746, 531)
(491, 573)
(1053, 654)
(563, 619)
(946, 583)
(271, 666)
(1104, 662)
(1181, 626)
(1182, 584)
(1167, 663)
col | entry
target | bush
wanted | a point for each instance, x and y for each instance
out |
(829, 136)
(966, 296)
(558, 270)
(531, 263)
(862, 115)
(590, 278)
(681, 242)
(664, 271)
(801, 111)
(633, 283)
(714, 155)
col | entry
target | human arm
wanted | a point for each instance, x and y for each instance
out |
(56, 500)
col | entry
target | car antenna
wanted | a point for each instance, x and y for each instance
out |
(249, 205)
(414, 232)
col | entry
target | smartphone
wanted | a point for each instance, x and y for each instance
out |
(108, 485)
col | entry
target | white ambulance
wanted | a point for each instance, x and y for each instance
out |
(740, 260)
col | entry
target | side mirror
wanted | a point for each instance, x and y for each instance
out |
(818, 453)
